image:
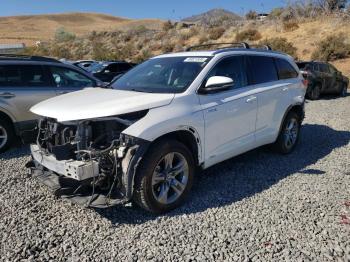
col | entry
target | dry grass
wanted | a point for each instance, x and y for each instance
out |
(29, 29)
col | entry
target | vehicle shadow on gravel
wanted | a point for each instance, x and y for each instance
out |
(246, 175)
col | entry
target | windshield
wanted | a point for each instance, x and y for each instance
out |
(162, 75)
(98, 67)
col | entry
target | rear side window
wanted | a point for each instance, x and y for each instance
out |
(232, 67)
(324, 68)
(285, 69)
(68, 78)
(262, 69)
(23, 76)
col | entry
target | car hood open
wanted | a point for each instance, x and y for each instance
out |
(98, 102)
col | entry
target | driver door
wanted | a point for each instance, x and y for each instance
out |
(229, 115)
(68, 80)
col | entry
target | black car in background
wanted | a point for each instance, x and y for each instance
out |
(106, 71)
(323, 78)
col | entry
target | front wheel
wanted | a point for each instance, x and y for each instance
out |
(6, 135)
(289, 134)
(165, 177)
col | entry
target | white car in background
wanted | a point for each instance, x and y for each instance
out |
(143, 138)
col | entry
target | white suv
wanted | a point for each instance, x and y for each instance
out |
(144, 138)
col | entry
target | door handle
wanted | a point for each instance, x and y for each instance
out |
(251, 99)
(284, 89)
(7, 95)
(62, 93)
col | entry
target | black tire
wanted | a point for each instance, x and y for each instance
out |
(144, 194)
(6, 129)
(343, 90)
(281, 145)
(315, 92)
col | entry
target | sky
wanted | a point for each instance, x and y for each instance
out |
(163, 9)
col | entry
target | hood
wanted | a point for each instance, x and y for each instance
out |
(98, 102)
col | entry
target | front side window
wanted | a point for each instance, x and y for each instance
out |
(263, 69)
(65, 77)
(232, 67)
(23, 76)
(162, 75)
(285, 69)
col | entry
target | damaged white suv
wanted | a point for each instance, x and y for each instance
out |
(143, 138)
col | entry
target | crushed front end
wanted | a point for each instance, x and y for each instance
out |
(91, 162)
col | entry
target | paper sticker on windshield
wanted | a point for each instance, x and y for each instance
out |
(195, 59)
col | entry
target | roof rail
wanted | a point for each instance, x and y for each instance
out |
(232, 45)
(27, 57)
(228, 45)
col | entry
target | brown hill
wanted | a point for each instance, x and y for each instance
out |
(31, 28)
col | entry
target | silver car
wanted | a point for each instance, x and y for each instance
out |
(28, 80)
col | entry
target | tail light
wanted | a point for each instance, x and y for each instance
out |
(305, 83)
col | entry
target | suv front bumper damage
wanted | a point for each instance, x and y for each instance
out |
(74, 180)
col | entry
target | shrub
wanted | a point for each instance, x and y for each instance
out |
(276, 13)
(290, 26)
(61, 35)
(100, 52)
(60, 51)
(168, 47)
(280, 44)
(216, 33)
(248, 35)
(332, 48)
(251, 15)
(167, 26)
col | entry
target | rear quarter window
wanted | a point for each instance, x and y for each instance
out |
(262, 69)
(285, 69)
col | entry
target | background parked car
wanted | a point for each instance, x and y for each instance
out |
(323, 78)
(28, 80)
(85, 64)
(107, 70)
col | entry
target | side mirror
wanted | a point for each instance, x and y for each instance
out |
(216, 84)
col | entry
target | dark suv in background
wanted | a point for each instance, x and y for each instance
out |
(28, 80)
(106, 71)
(323, 78)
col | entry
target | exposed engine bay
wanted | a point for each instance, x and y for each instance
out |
(90, 161)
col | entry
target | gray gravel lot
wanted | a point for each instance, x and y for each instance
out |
(256, 207)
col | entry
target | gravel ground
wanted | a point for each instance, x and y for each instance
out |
(256, 207)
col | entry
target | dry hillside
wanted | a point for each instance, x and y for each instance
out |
(29, 29)
(108, 37)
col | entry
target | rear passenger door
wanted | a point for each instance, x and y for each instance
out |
(229, 115)
(68, 80)
(21, 87)
(273, 87)
(326, 76)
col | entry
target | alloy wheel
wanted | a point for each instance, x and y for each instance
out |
(170, 178)
(291, 133)
(3, 137)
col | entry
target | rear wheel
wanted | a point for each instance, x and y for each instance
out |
(343, 90)
(315, 92)
(6, 135)
(289, 134)
(164, 177)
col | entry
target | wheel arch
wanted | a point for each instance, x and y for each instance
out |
(298, 109)
(189, 137)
